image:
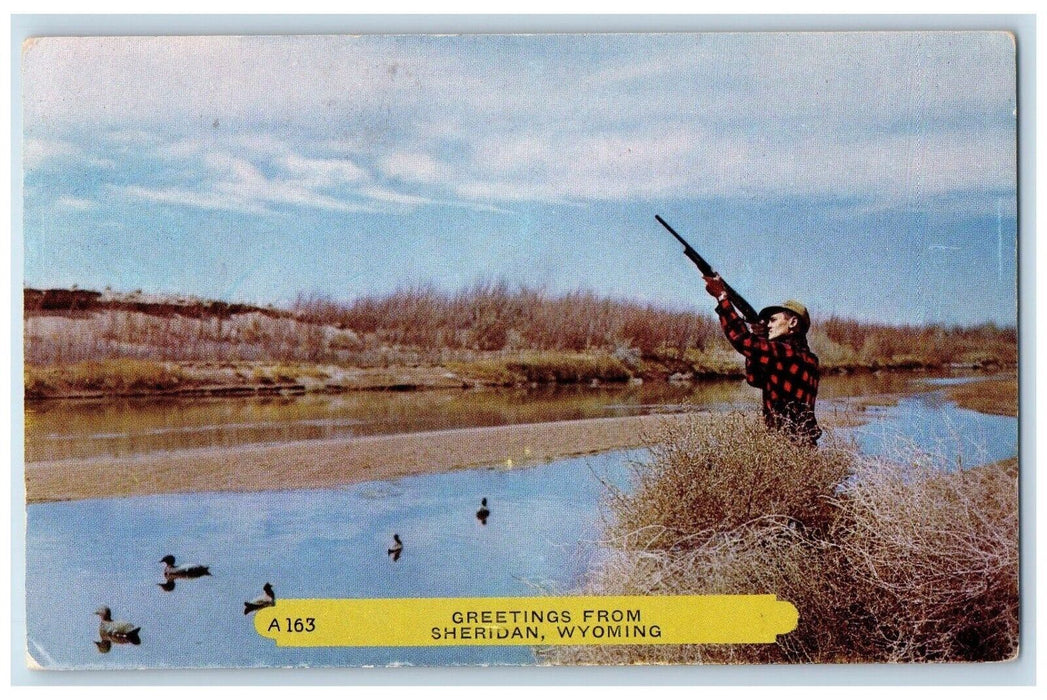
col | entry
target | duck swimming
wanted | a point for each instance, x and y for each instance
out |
(266, 600)
(397, 549)
(171, 571)
(483, 513)
(118, 631)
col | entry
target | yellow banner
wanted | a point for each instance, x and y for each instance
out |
(538, 621)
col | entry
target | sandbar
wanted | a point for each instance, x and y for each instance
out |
(331, 463)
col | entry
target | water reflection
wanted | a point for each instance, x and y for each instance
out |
(335, 543)
(307, 544)
(66, 429)
(928, 423)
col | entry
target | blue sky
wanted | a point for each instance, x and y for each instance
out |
(871, 175)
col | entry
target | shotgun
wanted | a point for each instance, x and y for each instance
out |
(746, 309)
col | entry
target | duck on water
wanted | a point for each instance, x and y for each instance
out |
(483, 513)
(193, 571)
(397, 549)
(115, 631)
(266, 600)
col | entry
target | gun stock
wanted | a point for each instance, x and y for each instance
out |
(745, 308)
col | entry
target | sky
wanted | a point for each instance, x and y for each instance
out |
(869, 175)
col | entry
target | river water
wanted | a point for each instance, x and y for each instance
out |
(82, 429)
(542, 536)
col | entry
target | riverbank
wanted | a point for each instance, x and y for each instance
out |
(993, 396)
(329, 463)
(290, 460)
(124, 378)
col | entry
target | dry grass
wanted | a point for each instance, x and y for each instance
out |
(119, 334)
(845, 344)
(122, 376)
(995, 396)
(420, 324)
(933, 557)
(768, 554)
(907, 562)
(548, 367)
(707, 477)
(495, 316)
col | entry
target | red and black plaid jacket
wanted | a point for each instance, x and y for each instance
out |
(784, 368)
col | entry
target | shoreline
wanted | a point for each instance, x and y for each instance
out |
(188, 380)
(331, 463)
(341, 461)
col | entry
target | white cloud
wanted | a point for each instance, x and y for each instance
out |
(893, 170)
(236, 184)
(411, 167)
(182, 148)
(325, 80)
(324, 172)
(77, 203)
(37, 151)
(136, 137)
(203, 200)
(197, 79)
(382, 194)
(407, 121)
(233, 182)
(261, 144)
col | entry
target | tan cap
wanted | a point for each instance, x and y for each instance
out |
(792, 306)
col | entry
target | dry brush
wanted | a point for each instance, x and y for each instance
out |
(886, 561)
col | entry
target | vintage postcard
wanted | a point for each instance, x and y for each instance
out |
(544, 349)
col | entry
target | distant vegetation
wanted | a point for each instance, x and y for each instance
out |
(491, 329)
(121, 376)
(886, 560)
(998, 396)
(494, 317)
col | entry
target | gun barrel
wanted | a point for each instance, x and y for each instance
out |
(748, 312)
(671, 230)
(704, 267)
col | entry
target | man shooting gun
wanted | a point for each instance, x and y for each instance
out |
(777, 361)
(777, 358)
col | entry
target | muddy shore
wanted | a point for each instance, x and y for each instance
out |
(329, 463)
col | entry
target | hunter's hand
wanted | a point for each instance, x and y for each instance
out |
(714, 285)
(759, 329)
